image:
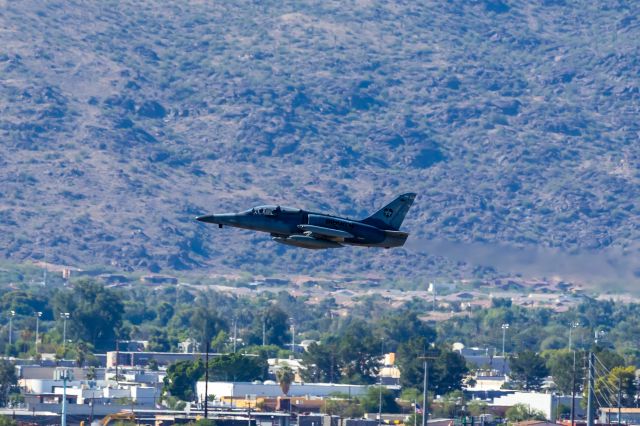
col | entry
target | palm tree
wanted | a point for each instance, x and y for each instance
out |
(285, 377)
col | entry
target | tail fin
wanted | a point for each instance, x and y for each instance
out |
(391, 216)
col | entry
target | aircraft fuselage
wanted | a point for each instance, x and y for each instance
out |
(312, 230)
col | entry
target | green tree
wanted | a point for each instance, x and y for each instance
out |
(449, 405)
(476, 407)
(619, 379)
(528, 370)
(174, 403)
(84, 354)
(164, 313)
(181, 379)
(237, 367)
(320, 364)
(522, 412)
(560, 366)
(159, 340)
(96, 313)
(8, 380)
(220, 342)
(206, 324)
(7, 421)
(411, 395)
(343, 407)
(203, 422)
(371, 399)
(359, 351)
(276, 327)
(446, 371)
(400, 327)
(449, 370)
(285, 376)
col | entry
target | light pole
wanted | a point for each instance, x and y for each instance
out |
(65, 316)
(425, 384)
(505, 327)
(380, 383)
(65, 377)
(572, 325)
(13, 314)
(425, 412)
(235, 334)
(38, 315)
(293, 339)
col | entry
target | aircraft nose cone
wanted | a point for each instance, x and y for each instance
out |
(208, 218)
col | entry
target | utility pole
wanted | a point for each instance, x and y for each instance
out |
(235, 331)
(425, 385)
(264, 331)
(13, 314)
(590, 390)
(38, 315)
(573, 392)
(619, 399)
(380, 384)
(206, 380)
(425, 413)
(64, 397)
(380, 401)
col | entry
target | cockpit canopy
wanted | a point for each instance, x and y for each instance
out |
(272, 210)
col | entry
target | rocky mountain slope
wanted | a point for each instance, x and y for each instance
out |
(515, 121)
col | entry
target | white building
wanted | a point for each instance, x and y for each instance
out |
(138, 395)
(487, 382)
(545, 402)
(272, 390)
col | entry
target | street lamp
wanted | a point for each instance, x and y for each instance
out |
(65, 316)
(505, 327)
(13, 314)
(572, 325)
(38, 315)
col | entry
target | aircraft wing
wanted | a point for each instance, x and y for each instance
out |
(323, 232)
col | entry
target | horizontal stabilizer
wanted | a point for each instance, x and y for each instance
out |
(325, 232)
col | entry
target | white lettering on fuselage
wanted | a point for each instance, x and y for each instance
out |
(338, 223)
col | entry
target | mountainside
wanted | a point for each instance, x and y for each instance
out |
(516, 122)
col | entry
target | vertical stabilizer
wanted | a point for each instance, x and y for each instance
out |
(391, 216)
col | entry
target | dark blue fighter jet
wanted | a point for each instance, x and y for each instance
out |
(301, 228)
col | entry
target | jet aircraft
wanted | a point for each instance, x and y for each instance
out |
(301, 228)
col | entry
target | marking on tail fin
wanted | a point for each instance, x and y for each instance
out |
(390, 217)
